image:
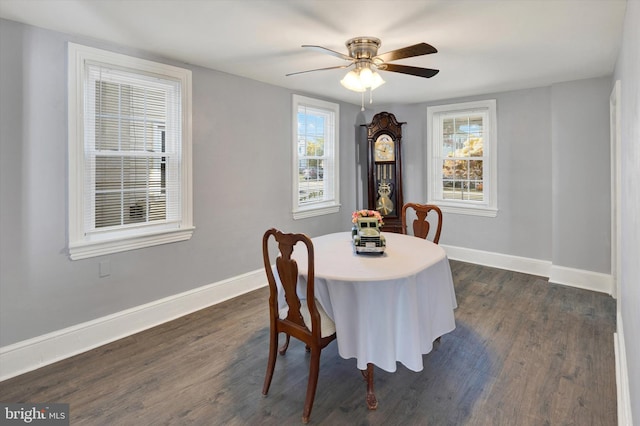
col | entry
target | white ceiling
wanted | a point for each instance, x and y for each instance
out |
(483, 46)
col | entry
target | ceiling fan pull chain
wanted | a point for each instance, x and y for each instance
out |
(362, 103)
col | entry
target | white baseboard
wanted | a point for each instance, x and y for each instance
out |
(499, 260)
(34, 353)
(622, 377)
(579, 278)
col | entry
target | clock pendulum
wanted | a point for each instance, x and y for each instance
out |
(385, 205)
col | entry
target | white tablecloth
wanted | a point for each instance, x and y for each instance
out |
(387, 308)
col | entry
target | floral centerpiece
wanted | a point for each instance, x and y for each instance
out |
(366, 213)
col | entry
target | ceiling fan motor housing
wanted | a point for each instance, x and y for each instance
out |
(363, 49)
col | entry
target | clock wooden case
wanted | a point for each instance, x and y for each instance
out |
(384, 137)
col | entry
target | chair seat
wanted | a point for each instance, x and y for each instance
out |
(327, 327)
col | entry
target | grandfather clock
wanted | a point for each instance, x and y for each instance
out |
(384, 135)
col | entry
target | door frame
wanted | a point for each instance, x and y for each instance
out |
(616, 178)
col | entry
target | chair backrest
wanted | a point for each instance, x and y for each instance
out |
(421, 224)
(287, 269)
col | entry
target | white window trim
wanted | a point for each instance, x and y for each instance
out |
(487, 208)
(82, 246)
(326, 207)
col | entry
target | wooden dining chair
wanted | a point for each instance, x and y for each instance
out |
(421, 224)
(305, 320)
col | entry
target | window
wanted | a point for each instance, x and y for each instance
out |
(315, 157)
(129, 153)
(462, 158)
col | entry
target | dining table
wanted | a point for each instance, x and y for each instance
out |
(389, 307)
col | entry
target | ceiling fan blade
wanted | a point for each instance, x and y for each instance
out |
(328, 51)
(405, 69)
(406, 52)
(319, 69)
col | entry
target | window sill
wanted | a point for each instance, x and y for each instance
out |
(316, 211)
(84, 250)
(468, 210)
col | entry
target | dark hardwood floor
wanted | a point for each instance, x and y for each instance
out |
(524, 352)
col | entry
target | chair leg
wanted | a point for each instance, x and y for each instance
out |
(271, 363)
(285, 346)
(314, 369)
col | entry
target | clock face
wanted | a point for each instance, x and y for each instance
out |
(384, 148)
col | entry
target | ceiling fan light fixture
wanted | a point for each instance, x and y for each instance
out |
(377, 81)
(352, 81)
(366, 77)
(361, 79)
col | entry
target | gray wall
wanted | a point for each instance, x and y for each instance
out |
(581, 175)
(553, 156)
(628, 72)
(522, 226)
(241, 171)
(242, 186)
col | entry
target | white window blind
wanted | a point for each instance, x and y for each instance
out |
(132, 148)
(130, 181)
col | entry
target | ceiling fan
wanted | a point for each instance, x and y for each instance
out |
(363, 53)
